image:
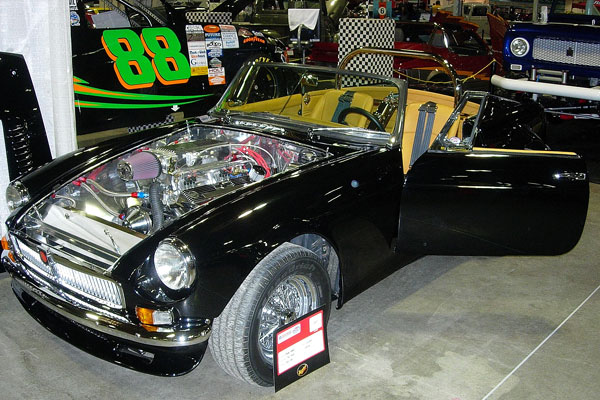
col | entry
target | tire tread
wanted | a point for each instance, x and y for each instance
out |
(231, 330)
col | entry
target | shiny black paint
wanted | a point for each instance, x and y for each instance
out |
(354, 199)
(508, 124)
(165, 362)
(495, 199)
(360, 222)
(492, 203)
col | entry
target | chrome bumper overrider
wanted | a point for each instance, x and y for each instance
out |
(101, 321)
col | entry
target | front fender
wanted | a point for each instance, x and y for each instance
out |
(336, 199)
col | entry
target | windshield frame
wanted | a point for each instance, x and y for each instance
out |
(350, 135)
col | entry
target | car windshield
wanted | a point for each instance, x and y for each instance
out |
(465, 42)
(412, 32)
(355, 107)
(480, 11)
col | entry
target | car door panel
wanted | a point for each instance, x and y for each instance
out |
(493, 202)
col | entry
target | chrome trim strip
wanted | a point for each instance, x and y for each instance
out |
(61, 275)
(78, 255)
(570, 176)
(113, 327)
(98, 288)
(30, 259)
(42, 284)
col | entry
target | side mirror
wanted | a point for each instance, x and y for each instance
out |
(309, 80)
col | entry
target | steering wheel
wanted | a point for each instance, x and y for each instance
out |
(264, 86)
(355, 110)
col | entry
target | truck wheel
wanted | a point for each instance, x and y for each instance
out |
(287, 284)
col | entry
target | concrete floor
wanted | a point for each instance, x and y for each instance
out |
(441, 328)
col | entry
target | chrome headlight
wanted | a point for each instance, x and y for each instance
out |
(519, 46)
(174, 264)
(16, 195)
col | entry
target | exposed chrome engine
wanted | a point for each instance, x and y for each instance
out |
(145, 189)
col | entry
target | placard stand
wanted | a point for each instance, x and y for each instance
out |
(300, 348)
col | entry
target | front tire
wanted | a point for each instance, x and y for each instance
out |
(287, 284)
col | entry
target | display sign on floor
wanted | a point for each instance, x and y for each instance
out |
(300, 348)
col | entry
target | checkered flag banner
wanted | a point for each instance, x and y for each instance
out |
(168, 120)
(203, 17)
(361, 32)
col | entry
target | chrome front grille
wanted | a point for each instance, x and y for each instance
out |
(34, 260)
(567, 52)
(102, 290)
(59, 273)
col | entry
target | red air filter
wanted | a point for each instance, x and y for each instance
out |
(142, 165)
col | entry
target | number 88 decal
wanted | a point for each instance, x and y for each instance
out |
(133, 68)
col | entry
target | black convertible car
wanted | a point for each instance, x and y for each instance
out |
(302, 187)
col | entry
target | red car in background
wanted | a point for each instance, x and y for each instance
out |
(463, 48)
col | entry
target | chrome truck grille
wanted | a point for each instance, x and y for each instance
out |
(567, 52)
(59, 273)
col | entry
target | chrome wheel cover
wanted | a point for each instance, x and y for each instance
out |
(292, 298)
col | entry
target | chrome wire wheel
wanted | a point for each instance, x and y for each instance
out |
(285, 285)
(292, 298)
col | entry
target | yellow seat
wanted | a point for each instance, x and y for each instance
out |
(410, 127)
(328, 103)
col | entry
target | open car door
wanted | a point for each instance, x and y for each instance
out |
(493, 189)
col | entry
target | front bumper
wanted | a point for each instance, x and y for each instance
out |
(165, 352)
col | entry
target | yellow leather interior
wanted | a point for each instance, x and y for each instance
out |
(320, 105)
(422, 96)
(327, 104)
(274, 106)
(410, 127)
(377, 92)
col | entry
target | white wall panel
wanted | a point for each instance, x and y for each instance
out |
(40, 30)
